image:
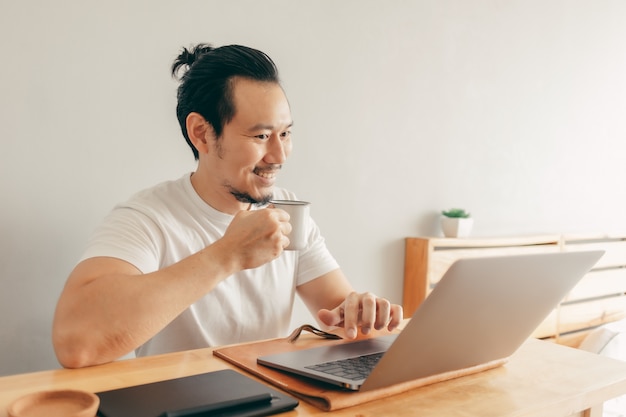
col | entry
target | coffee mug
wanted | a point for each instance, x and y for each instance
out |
(298, 218)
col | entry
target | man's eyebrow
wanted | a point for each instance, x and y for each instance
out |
(262, 126)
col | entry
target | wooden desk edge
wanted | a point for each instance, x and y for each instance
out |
(607, 380)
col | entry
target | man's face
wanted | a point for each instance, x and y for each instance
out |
(248, 156)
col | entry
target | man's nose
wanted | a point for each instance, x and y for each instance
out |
(276, 152)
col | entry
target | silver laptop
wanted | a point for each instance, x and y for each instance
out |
(482, 310)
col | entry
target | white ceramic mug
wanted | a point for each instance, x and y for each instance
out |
(298, 218)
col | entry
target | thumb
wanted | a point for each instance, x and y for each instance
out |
(330, 317)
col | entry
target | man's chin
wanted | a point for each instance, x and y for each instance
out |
(264, 200)
(249, 199)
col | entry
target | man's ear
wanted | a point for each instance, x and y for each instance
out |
(200, 132)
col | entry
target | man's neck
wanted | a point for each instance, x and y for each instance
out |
(220, 199)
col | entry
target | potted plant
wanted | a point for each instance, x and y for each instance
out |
(456, 222)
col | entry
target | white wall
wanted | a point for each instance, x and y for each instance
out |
(511, 109)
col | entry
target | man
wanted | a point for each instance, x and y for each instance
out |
(199, 261)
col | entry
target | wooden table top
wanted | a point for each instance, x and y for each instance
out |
(541, 379)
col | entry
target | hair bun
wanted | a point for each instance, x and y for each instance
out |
(187, 57)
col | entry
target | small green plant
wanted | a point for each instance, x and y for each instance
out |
(456, 213)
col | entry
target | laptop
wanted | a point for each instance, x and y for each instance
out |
(481, 311)
(224, 393)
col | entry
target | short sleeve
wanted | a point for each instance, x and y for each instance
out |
(129, 235)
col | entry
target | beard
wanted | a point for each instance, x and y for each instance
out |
(244, 197)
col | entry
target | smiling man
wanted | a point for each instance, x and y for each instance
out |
(200, 261)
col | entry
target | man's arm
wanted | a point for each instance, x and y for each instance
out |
(331, 296)
(109, 308)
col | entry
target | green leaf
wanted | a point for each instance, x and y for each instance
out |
(456, 213)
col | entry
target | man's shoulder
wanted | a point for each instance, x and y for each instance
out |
(158, 198)
(164, 189)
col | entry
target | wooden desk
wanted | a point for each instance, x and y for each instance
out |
(542, 379)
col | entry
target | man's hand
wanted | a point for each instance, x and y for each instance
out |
(257, 237)
(366, 311)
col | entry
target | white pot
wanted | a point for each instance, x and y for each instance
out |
(456, 226)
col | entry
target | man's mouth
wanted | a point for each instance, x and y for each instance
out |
(269, 174)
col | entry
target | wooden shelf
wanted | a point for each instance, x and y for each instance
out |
(599, 298)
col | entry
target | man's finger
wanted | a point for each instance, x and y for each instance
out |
(351, 313)
(331, 317)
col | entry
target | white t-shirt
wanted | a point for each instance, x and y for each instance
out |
(169, 222)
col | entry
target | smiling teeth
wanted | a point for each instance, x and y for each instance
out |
(267, 175)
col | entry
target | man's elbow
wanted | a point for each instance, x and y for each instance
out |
(72, 352)
(72, 357)
(82, 350)
(73, 361)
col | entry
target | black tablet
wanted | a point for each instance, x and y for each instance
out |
(225, 393)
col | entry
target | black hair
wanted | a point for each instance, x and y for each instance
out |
(206, 85)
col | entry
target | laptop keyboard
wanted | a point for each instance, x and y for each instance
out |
(351, 368)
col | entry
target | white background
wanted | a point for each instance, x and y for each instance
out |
(514, 110)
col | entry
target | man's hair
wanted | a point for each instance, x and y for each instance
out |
(206, 84)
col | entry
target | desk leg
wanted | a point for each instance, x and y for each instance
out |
(593, 411)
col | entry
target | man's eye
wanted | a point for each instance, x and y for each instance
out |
(285, 134)
(263, 136)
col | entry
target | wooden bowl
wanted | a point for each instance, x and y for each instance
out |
(58, 403)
